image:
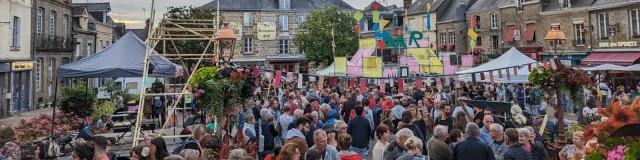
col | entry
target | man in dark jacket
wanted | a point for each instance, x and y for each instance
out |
(397, 148)
(473, 148)
(417, 94)
(515, 150)
(360, 127)
(348, 106)
(268, 133)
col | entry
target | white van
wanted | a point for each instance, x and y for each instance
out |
(134, 84)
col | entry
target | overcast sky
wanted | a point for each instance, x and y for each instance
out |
(132, 14)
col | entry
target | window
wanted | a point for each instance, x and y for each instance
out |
(39, 21)
(52, 24)
(477, 22)
(50, 71)
(284, 46)
(494, 21)
(248, 19)
(634, 19)
(603, 25)
(38, 74)
(285, 4)
(519, 5)
(494, 42)
(284, 22)
(479, 41)
(15, 33)
(132, 85)
(78, 44)
(395, 20)
(301, 20)
(99, 46)
(425, 23)
(579, 29)
(366, 25)
(452, 37)
(88, 49)
(566, 4)
(248, 45)
(412, 24)
(443, 38)
(65, 29)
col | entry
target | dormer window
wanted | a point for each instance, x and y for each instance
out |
(566, 3)
(395, 20)
(285, 4)
(366, 25)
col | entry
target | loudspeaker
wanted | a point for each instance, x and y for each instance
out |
(87, 134)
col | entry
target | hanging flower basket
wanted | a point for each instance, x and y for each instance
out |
(451, 47)
(441, 46)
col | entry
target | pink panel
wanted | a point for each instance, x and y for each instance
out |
(467, 60)
(362, 52)
(414, 66)
(390, 72)
(423, 44)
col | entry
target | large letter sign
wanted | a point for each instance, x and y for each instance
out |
(400, 42)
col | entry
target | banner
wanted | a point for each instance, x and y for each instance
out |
(340, 65)
(447, 80)
(372, 67)
(500, 73)
(400, 85)
(438, 83)
(491, 76)
(256, 72)
(419, 83)
(363, 85)
(278, 77)
(289, 77)
(299, 80)
(368, 43)
(332, 81)
(515, 71)
(321, 82)
(508, 74)
(481, 76)
(352, 82)
(382, 85)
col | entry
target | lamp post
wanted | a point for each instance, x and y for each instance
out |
(225, 35)
(554, 39)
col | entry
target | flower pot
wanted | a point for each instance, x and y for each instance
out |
(40, 106)
(49, 104)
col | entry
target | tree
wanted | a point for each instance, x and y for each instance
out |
(78, 100)
(316, 40)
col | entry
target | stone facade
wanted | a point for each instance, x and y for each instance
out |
(573, 23)
(486, 30)
(460, 38)
(15, 50)
(618, 17)
(511, 17)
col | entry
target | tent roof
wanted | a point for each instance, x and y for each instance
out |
(606, 67)
(512, 58)
(329, 71)
(125, 58)
(635, 67)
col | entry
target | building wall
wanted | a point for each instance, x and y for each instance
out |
(21, 9)
(83, 40)
(459, 28)
(567, 21)
(485, 31)
(105, 34)
(420, 26)
(520, 19)
(620, 18)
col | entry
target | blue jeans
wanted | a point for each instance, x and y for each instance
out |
(360, 151)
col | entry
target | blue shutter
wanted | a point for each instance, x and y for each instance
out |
(18, 32)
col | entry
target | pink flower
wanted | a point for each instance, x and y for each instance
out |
(617, 153)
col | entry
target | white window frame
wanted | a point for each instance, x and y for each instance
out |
(566, 3)
(52, 24)
(99, 46)
(519, 6)
(425, 22)
(412, 24)
(248, 19)
(39, 21)
(15, 32)
(452, 37)
(634, 29)
(494, 21)
(443, 38)
(366, 25)
(395, 20)
(603, 25)
(477, 27)
(301, 20)
(65, 29)
(578, 30)
(284, 46)
(38, 74)
(50, 75)
(285, 4)
(248, 45)
(284, 22)
(89, 44)
(78, 45)
(495, 43)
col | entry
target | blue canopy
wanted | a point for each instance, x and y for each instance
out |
(125, 58)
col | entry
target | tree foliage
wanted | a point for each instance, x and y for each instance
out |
(78, 100)
(316, 40)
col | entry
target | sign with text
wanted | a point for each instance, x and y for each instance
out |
(618, 44)
(22, 66)
(237, 29)
(266, 31)
(400, 42)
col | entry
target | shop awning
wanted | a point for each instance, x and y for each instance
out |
(427, 60)
(616, 58)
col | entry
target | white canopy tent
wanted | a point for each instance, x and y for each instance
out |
(329, 71)
(606, 67)
(522, 77)
(635, 67)
(513, 58)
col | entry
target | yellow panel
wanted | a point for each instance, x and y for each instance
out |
(340, 65)
(368, 43)
(429, 62)
(372, 67)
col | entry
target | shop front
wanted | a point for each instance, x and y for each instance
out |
(568, 59)
(619, 53)
(15, 84)
(296, 64)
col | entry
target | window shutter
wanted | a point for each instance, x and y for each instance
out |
(12, 31)
(17, 31)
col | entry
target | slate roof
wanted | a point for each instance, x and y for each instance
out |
(231, 5)
(95, 6)
(97, 16)
(420, 6)
(600, 3)
(450, 11)
(77, 10)
(486, 5)
(554, 5)
(110, 20)
(141, 33)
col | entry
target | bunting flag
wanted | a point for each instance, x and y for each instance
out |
(481, 76)
(391, 82)
(499, 73)
(256, 72)
(332, 81)
(363, 85)
(447, 80)
(299, 80)
(419, 82)
(400, 85)
(289, 77)
(321, 82)
(529, 65)
(428, 83)
(544, 63)
(382, 85)
(515, 71)
(438, 83)
(553, 64)
(491, 76)
(508, 75)
(278, 77)
(352, 82)
(456, 81)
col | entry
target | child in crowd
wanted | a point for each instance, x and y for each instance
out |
(104, 123)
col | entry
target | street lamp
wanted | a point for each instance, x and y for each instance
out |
(226, 35)
(555, 38)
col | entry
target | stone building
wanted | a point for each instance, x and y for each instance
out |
(487, 15)
(267, 29)
(104, 26)
(396, 19)
(615, 31)
(84, 31)
(452, 38)
(16, 62)
(54, 46)
(417, 19)
(571, 17)
(520, 25)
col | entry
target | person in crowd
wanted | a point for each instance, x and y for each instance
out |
(489, 112)
(47, 150)
(198, 134)
(465, 106)
(344, 141)
(274, 108)
(414, 149)
(330, 114)
(456, 136)
(296, 135)
(347, 106)
(275, 154)
(417, 120)
(158, 149)
(289, 152)
(537, 150)
(268, 133)
(9, 148)
(190, 154)
(515, 151)
(313, 154)
(382, 132)
(397, 112)
(177, 157)
(397, 147)
(360, 127)
(331, 132)
(296, 114)
(484, 131)
(140, 152)
(333, 103)
(341, 126)
(82, 151)
(445, 118)
(575, 150)
(249, 131)
(100, 148)
(406, 123)
(284, 121)
(237, 154)
(327, 151)
(243, 111)
(472, 147)
(499, 146)
(386, 114)
(368, 115)
(523, 139)
(315, 125)
(392, 130)
(438, 149)
(290, 101)
(461, 125)
(148, 138)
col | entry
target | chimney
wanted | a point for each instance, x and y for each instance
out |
(147, 23)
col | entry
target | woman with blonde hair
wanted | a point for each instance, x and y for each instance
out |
(237, 154)
(193, 142)
(289, 152)
(190, 154)
(341, 126)
(575, 150)
(414, 149)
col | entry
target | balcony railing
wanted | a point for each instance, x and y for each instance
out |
(55, 43)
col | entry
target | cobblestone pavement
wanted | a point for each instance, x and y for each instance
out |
(15, 119)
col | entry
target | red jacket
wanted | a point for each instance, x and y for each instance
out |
(354, 156)
(294, 106)
(386, 105)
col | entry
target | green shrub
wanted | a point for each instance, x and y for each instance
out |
(103, 108)
(77, 100)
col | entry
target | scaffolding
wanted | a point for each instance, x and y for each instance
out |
(168, 31)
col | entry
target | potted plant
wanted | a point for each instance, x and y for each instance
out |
(451, 47)
(441, 46)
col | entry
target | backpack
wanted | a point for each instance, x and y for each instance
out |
(157, 101)
(181, 146)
